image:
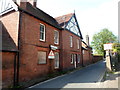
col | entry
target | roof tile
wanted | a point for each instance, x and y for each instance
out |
(64, 19)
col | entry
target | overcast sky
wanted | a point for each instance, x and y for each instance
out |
(92, 15)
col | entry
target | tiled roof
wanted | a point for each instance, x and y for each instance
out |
(7, 42)
(64, 19)
(84, 45)
(34, 11)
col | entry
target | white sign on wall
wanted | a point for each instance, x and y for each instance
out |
(53, 47)
(108, 46)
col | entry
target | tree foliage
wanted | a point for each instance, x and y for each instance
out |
(101, 38)
(116, 49)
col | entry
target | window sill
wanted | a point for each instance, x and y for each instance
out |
(41, 40)
(56, 67)
(56, 44)
(42, 63)
(72, 63)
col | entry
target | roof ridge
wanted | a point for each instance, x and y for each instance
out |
(64, 15)
(45, 12)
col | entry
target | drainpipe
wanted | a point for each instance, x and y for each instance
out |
(18, 54)
(14, 78)
(82, 57)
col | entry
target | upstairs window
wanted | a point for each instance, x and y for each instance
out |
(71, 41)
(78, 44)
(56, 37)
(42, 32)
(83, 52)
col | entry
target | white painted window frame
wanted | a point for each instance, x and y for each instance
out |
(44, 33)
(78, 44)
(71, 41)
(78, 57)
(72, 58)
(56, 67)
(57, 37)
(83, 51)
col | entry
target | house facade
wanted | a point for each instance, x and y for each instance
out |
(34, 44)
(36, 35)
(87, 54)
(71, 39)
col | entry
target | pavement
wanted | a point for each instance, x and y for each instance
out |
(88, 77)
(111, 81)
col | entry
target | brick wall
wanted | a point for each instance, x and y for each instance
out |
(87, 57)
(97, 58)
(29, 47)
(67, 50)
(7, 68)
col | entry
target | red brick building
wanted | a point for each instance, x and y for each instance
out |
(34, 44)
(87, 54)
(88, 57)
(34, 34)
(71, 39)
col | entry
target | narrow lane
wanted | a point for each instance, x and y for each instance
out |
(90, 74)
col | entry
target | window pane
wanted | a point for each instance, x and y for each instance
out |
(78, 44)
(56, 60)
(42, 32)
(78, 57)
(71, 41)
(42, 36)
(41, 57)
(72, 58)
(56, 37)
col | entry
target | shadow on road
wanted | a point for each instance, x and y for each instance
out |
(87, 76)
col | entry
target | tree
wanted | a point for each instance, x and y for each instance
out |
(101, 38)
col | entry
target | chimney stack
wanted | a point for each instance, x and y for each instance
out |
(87, 39)
(32, 2)
(22, 3)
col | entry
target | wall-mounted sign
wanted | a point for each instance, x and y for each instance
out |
(108, 46)
(53, 47)
(51, 55)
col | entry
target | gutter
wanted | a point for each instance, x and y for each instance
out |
(22, 10)
(8, 51)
